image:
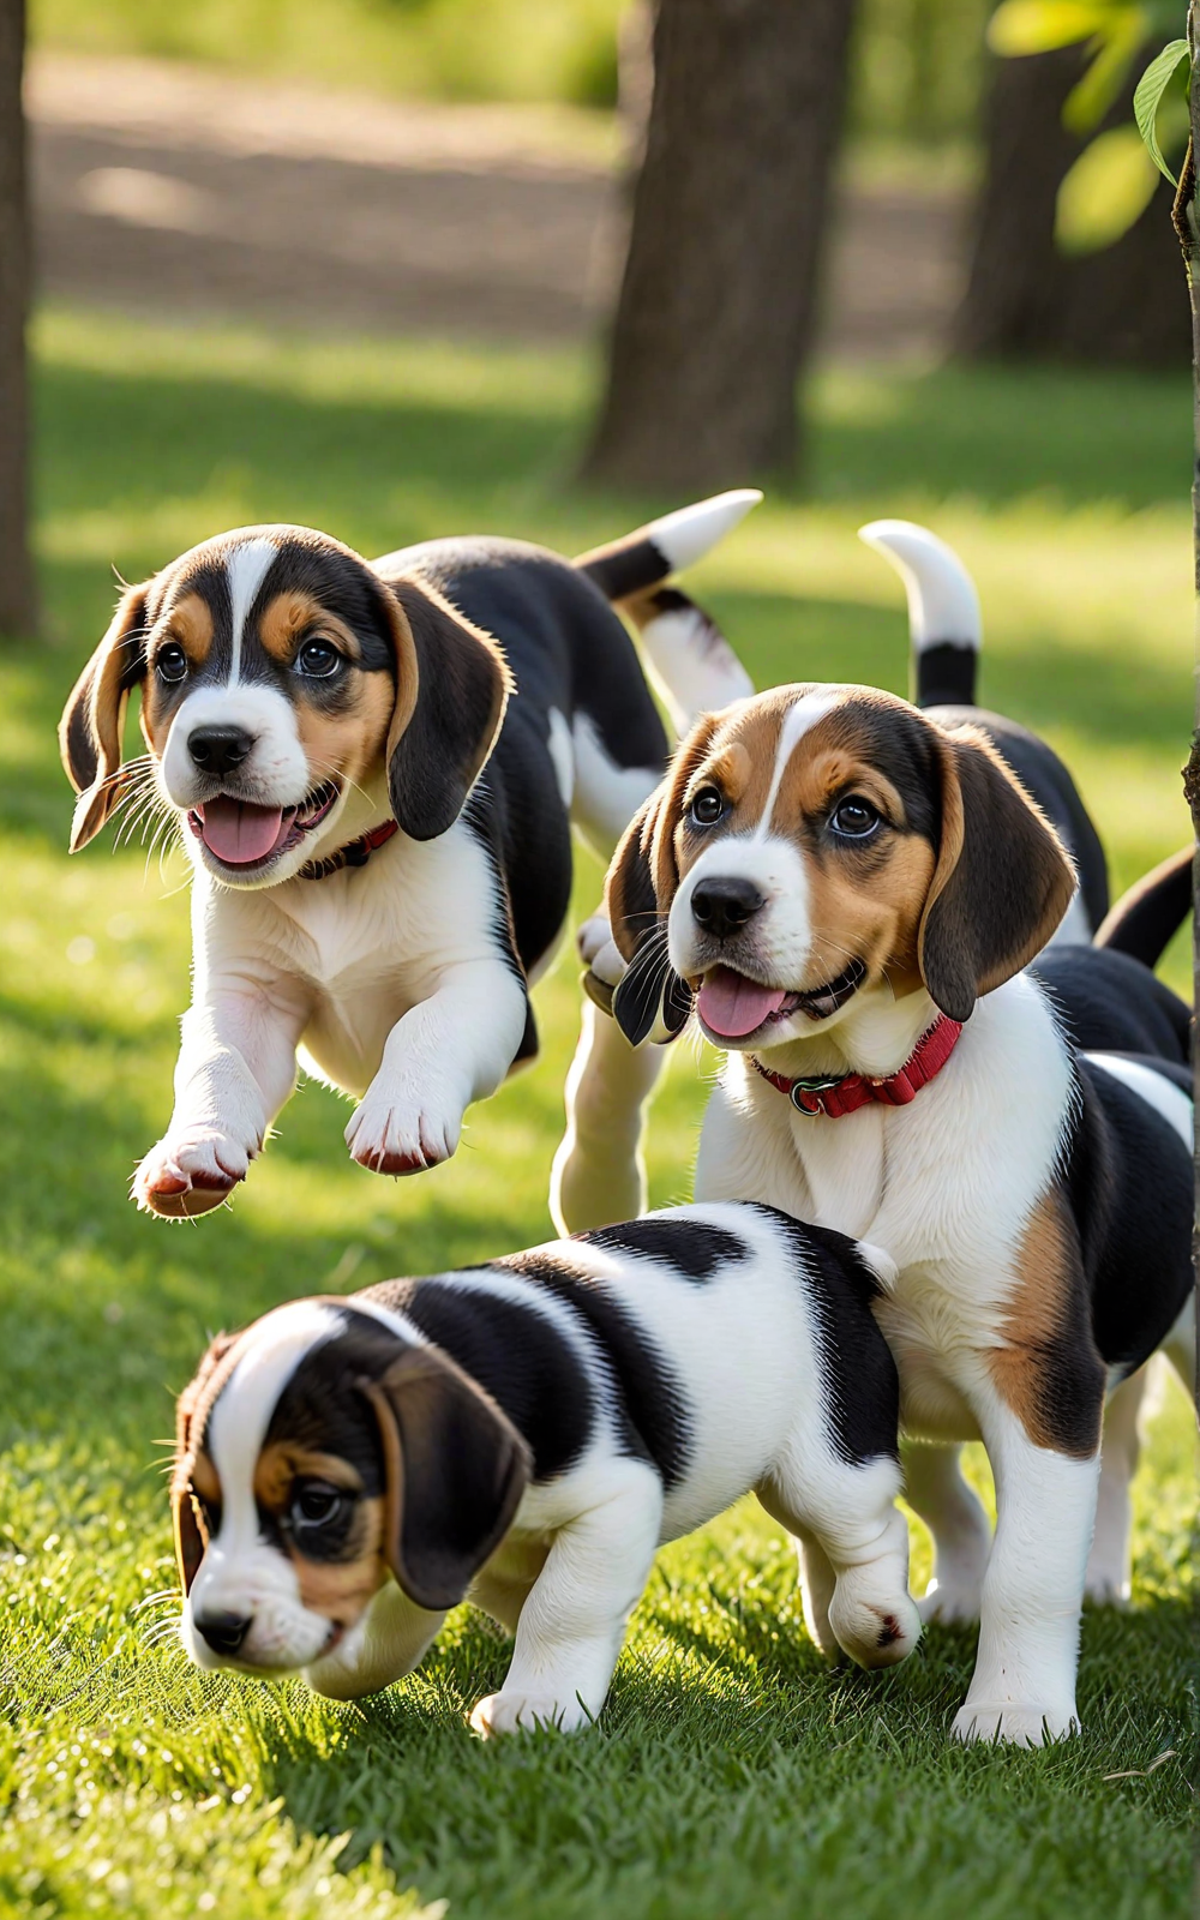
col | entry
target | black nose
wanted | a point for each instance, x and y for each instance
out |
(219, 749)
(224, 1632)
(722, 907)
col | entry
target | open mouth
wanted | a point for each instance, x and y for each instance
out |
(241, 834)
(732, 1007)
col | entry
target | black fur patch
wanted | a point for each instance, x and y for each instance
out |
(658, 1425)
(946, 675)
(687, 1245)
(1110, 1003)
(861, 1380)
(516, 1355)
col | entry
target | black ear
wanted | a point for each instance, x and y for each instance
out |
(1001, 884)
(456, 1468)
(189, 1541)
(451, 690)
(89, 733)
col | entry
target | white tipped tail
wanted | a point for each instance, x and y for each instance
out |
(943, 605)
(685, 536)
(881, 1264)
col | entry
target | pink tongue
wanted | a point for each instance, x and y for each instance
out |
(732, 1006)
(239, 833)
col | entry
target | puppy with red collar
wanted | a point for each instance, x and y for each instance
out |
(525, 1434)
(375, 769)
(848, 894)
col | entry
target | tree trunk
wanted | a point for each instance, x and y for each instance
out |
(1187, 227)
(18, 606)
(1122, 305)
(715, 316)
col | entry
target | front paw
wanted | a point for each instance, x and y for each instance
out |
(1017, 1723)
(190, 1173)
(512, 1712)
(392, 1133)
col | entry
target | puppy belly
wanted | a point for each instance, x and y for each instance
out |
(346, 1052)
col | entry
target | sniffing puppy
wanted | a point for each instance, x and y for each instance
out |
(526, 1434)
(847, 894)
(375, 769)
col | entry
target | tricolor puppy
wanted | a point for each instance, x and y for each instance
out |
(375, 769)
(526, 1434)
(848, 894)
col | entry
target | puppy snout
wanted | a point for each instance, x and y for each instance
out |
(223, 1632)
(723, 906)
(219, 749)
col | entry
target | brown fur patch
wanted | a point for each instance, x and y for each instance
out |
(282, 1462)
(190, 625)
(206, 1480)
(1048, 1371)
(340, 1589)
(349, 744)
(292, 613)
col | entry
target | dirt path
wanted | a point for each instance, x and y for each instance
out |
(169, 188)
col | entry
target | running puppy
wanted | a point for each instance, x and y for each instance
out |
(526, 1434)
(848, 894)
(374, 769)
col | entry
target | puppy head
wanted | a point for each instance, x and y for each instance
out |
(317, 1453)
(818, 846)
(290, 697)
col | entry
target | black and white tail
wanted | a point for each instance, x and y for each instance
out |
(690, 660)
(944, 621)
(1146, 919)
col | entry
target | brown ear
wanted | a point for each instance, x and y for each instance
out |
(190, 1542)
(1001, 884)
(456, 1469)
(452, 686)
(651, 1001)
(89, 733)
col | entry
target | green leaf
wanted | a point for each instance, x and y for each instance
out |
(1035, 26)
(1148, 98)
(1105, 191)
(1092, 95)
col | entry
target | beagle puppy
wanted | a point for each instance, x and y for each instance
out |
(375, 768)
(525, 1434)
(849, 894)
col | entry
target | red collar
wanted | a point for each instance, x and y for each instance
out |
(835, 1097)
(355, 853)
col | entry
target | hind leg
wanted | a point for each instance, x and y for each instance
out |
(1108, 1579)
(599, 1176)
(853, 1555)
(962, 1539)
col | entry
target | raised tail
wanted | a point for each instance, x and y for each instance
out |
(1146, 918)
(944, 621)
(690, 660)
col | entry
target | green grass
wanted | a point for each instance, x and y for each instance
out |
(730, 1774)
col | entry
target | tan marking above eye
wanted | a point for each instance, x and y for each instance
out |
(282, 1462)
(293, 613)
(205, 1480)
(189, 624)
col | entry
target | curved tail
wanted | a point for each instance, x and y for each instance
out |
(690, 660)
(944, 621)
(1146, 918)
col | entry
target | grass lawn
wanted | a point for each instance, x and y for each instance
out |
(731, 1774)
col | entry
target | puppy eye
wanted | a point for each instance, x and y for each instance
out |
(855, 818)
(707, 807)
(318, 659)
(170, 664)
(315, 1505)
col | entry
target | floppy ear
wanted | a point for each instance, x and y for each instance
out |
(452, 686)
(89, 733)
(190, 1542)
(1001, 884)
(456, 1468)
(651, 1002)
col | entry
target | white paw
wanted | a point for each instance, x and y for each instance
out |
(190, 1172)
(511, 1712)
(951, 1602)
(876, 1632)
(1105, 1587)
(391, 1132)
(599, 951)
(1017, 1723)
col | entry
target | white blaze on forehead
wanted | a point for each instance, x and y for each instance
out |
(245, 570)
(238, 1423)
(801, 717)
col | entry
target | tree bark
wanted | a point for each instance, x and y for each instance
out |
(18, 603)
(1186, 220)
(1122, 305)
(716, 310)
